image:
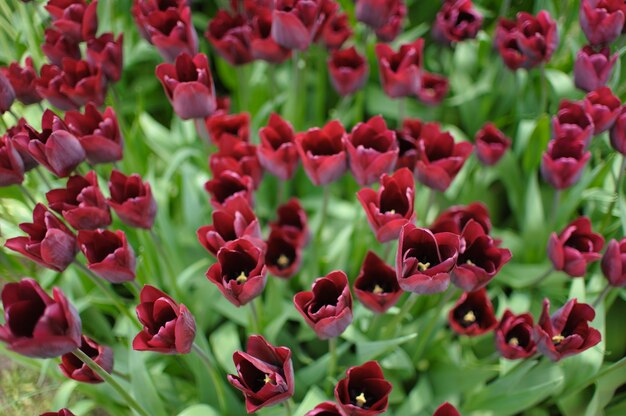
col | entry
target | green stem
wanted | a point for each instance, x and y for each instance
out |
(391, 329)
(242, 88)
(42, 176)
(544, 90)
(401, 111)
(208, 361)
(4, 123)
(132, 403)
(287, 405)
(555, 207)
(28, 195)
(323, 212)
(425, 335)
(332, 364)
(432, 196)
(254, 321)
(162, 259)
(543, 277)
(388, 247)
(600, 298)
(618, 187)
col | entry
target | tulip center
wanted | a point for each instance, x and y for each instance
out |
(557, 339)
(360, 400)
(514, 342)
(423, 266)
(267, 379)
(468, 261)
(469, 317)
(242, 278)
(378, 290)
(283, 261)
(391, 211)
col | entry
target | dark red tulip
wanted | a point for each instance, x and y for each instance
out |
(372, 149)
(391, 207)
(407, 137)
(323, 153)
(400, 72)
(491, 144)
(235, 219)
(393, 27)
(327, 308)
(472, 314)
(108, 254)
(283, 258)
(324, 409)
(456, 21)
(573, 121)
(292, 221)
(74, 18)
(433, 88)
(37, 325)
(264, 374)
(376, 286)
(49, 243)
(7, 94)
(19, 136)
(601, 20)
(72, 367)
(11, 164)
(132, 200)
(575, 247)
(375, 13)
(98, 133)
(73, 85)
(439, 159)
(614, 263)
(514, 336)
(364, 391)
(227, 185)
(277, 152)
(81, 203)
(228, 125)
(603, 107)
(567, 331)
(446, 409)
(168, 328)
(479, 260)
(335, 31)
(62, 412)
(295, 22)
(563, 163)
(231, 37)
(23, 80)
(49, 84)
(592, 69)
(618, 132)
(425, 260)
(348, 70)
(57, 47)
(237, 156)
(455, 218)
(107, 52)
(240, 272)
(262, 44)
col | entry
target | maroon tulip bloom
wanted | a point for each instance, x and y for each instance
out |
(364, 391)
(601, 20)
(375, 13)
(322, 152)
(393, 27)
(563, 163)
(295, 22)
(567, 331)
(327, 308)
(603, 107)
(98, 133)
(573, 121)
(456, 21)
(49, 87)
(618, 132)
(439, 159)
(472, 314)
(575, 247)
(108, 254)
(230, 36)
(22, 80)
(11, 164)
(264, 374)
(132, 200)
(335, 31)
(376, 286)
(455, 218)
(348, 71)
(107, 52)
(83, 83)
(240, 272)
(262, 44)
(491, 144)
(81, 203)
(292, 221)
(237, 156)
(277, 152)
(324, 409)
(514, 336)
(19, 135)
(37, 325)
(234, 220)
(425, 260)
(49, 243)
(282, 257)
(168, 328)
(389, 209)
(74, 18)
(407, 137)
(227, 185)
(592, 69)
(373, 150)
(72, 367)
(57, 47)
(400, 72)
(614, 263)
(446, 409)
(236, 126)
(62, 412)
(433, 88)
(479, 260)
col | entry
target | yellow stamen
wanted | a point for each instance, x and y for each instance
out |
(360, 400)
(242, 278)
(267, 379)
(391, 211)
(377, 290)
(283, 261)
(422, 266)
(471, 263)
(514, 341)
(469, 317)
(557, 339)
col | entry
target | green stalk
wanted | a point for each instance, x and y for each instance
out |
(392, 327)
(28, 195)
(208, 361)
(323, 214)
(242, 89)
(332, 364)
(618, 187)
(542, 277)
(544, 90)
(427, 332)
(600, 298)
(254, 320)
(287, 404)
(163, 259)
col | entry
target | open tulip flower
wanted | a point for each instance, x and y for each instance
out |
(376, 286)
(73, 368)
(473, 314)
(364, 391)
(575, 247)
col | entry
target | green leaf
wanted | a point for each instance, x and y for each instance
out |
(370, 350)
(313, 397)
(537, 144)
(199, 410)
(141, 385)
(224, 341)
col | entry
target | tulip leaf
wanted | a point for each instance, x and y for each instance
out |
(313, 397)
(225, 341)
(199, 410)
(142, 384)
(313, 373)
(370, 350)
(537, 144)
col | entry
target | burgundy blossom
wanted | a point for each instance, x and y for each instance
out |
(618, 132)
(57, 47)
(575, 247)
(364, 391)
(237, 156)
(456, 21)
(292, 221)
(322, 152)
(283, 258)
(376, 286)
(74, 18)
(231, 37)
(433, 88)
(472, 314)
(227, 185)
(446, 409)
(108, 254)
(295, 22)
(491, 144)
(335, 31)
(132, 200)
(48, 85)
(407, 137)
(22, 132)
(11, 164)
(62, 412)
(324, 409)
(400, 72)
(602, 20)
(262, 44)
(455, 218)
(23, 80)
(375, 13)
(72, 367)
(7, 94)
(277, 152)
(564, 161)
(99, 133)
(614, 263)
(573, 121)
(603, 107)
(592, 69)
(514, 336)
(107, 52)
(393, 27)
(228, 125)
(348, 70)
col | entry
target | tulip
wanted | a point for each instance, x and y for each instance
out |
(262, 44)
(567, 331)
(392, 28)
(335, 31)
(228, 185)
(618, 132)
(108, 254)
(107, 52)
(98, 133)
(37, 325)
(48, 85)
(446, 409)
(614, 263)
(563, 163)
(282, 257)
(57, 46)
(514, 336)
(372, 150)
(348, 71)
(455, 218)
(132, 200)
(433, 89)
(7, 94)
(277, 152)
(62, 412)
(19, 136)
(74, 18)
(573, 121)
(295, 22)
(472, 314)
(292, 221)
(237, 156)
(231, 37)
(49, 243)
(23, 80)
(168, 328)
(456, 21)
(601, 20)
(491, 144)
(264, 374)
(324, 409)
(83, 83)
(400, 72)
(228, 125)
(603, 107)
(11, 164)
(425, 260)
(322, 152)
(575, 247)
(407, 137)
(389, 209)
(81, 203)
(376, 286)
(592, 69)
(375, 13)
(364, 391)
(72, 367)
(327, 308)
